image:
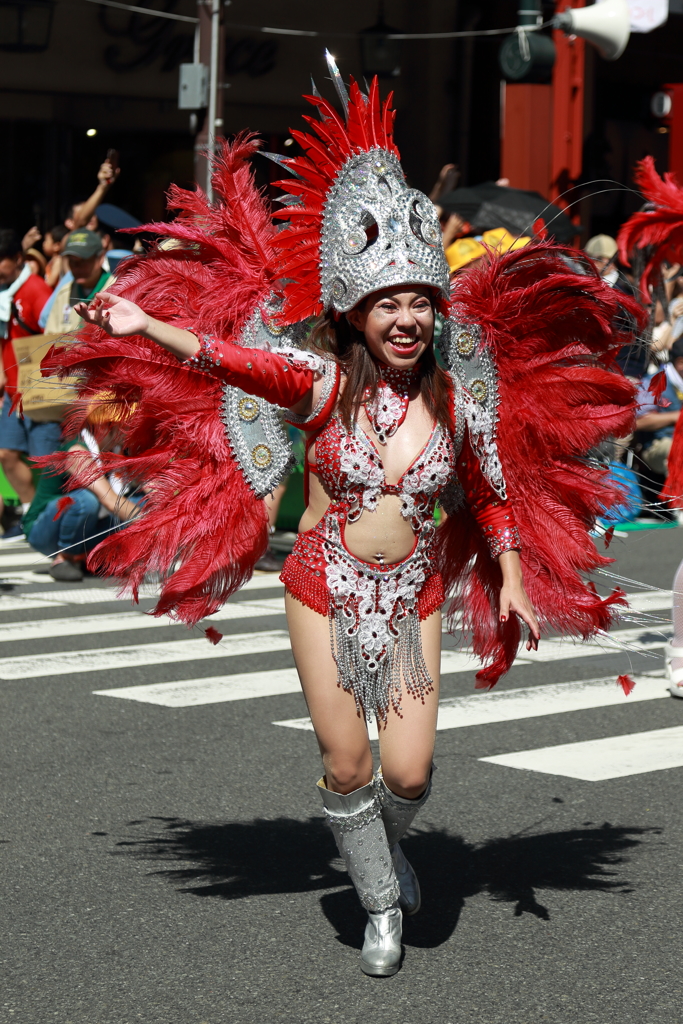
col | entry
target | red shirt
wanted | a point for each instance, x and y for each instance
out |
(27, 305)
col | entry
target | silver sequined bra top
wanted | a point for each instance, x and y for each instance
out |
(352, 472)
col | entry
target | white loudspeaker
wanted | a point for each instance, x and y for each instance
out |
(606, 24)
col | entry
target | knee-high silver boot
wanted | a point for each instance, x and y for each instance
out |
(397, 815)
(356, 823)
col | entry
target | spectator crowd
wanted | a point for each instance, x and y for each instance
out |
(44, 276)
(39, 288)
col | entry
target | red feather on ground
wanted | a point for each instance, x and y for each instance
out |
(627, 684)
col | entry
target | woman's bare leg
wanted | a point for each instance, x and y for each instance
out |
(341, 733)
(407, 744)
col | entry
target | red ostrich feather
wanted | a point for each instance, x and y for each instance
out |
(659, 230)
(672, 490)
(553, 334)
(368, 126)
(203, 528)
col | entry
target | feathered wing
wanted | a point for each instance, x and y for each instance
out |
(553, 334)
(655, 233)
(203, 527)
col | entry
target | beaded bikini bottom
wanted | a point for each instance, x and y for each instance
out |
(374, 613)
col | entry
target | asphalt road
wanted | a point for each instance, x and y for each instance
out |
(170, 865)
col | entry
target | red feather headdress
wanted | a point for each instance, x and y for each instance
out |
(657, 233)
(368, 126)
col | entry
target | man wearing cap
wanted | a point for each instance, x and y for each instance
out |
(84, 253)
(657, 419)
(602, 249)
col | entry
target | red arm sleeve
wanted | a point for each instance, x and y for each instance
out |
(494, 516)
(281, 379)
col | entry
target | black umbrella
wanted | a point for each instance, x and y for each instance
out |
(489, 206)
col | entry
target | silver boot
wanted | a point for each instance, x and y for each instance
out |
(397, 815)
(356, 823)
(381, 955)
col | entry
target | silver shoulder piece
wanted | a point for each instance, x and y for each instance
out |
(330, 373)
(471, 365)
(255, 429)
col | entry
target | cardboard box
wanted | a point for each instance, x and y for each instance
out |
(44, 399)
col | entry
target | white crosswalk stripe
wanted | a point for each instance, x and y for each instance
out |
(106, 659)
(124, 622)
(212, 690)
(613, 757)
(24, 557)
(591, 760)
(528, 702)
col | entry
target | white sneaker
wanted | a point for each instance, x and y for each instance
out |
(674, 675)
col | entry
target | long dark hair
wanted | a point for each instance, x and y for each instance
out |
(347, 345)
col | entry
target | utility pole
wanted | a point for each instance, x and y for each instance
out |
(213, 91)
(210, 53)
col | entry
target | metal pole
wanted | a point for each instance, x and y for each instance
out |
(213, 92)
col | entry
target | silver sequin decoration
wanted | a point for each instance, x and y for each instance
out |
(375, 625)
(377, 233)
(471, 365)
(255, 428)
(330, 373)
(362, 843)
(398, 814)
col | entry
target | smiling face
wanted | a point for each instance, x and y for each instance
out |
(398, 324)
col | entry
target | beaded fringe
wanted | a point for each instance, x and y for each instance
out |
(376, 690)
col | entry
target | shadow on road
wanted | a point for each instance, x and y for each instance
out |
(240, 859)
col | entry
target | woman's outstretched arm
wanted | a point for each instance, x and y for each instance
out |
(269, 375)
(120, 317)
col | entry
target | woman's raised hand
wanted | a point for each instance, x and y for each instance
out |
(121, 317)
(115, 315)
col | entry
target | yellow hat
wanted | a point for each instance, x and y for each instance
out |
(462, 252)
(502, 241)
(466, 250)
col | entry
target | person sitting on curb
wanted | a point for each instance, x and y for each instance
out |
(22, 297)
(68, 524)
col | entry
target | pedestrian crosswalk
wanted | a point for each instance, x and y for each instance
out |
(36, 613)
(529, 702)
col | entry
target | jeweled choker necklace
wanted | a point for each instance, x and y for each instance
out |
(389, 407)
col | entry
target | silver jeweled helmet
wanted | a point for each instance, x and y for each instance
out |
(354, 226)
(377, 233)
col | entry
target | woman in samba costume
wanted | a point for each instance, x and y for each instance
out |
(527, 343)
